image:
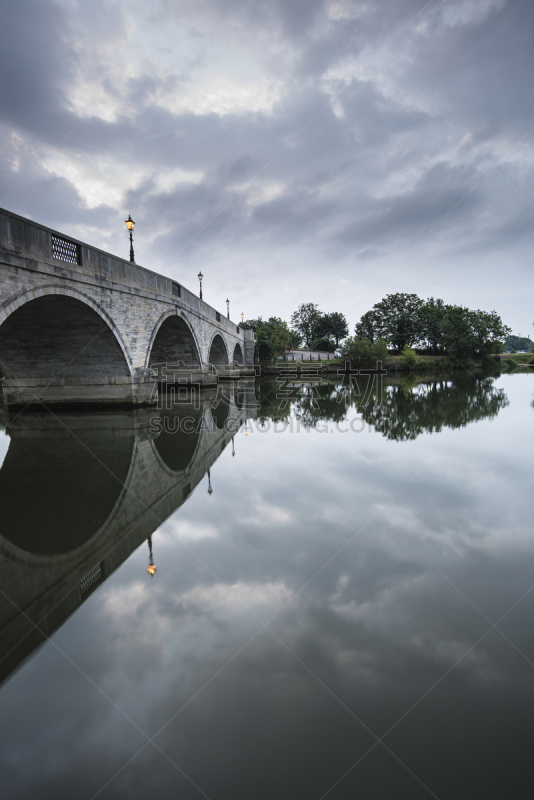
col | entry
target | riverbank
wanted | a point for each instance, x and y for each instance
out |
(505, 362)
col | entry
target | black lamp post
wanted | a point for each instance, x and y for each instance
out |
(210, 490)
(227, 308)
(130, 225)
(242, 317)
(151, 569)
(200, 276)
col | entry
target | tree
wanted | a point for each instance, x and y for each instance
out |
(326, 345)
(331, 326)
(397, 319)
(517, 343)
(304, 319)
(296, 339)
(406, 320)
(362, 353)
(272, 336)
(408, 358)
(468, 333)
(322, 328)
(340, 326)
(367, 327)
(432, 316)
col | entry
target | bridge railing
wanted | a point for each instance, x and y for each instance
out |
(23, 238)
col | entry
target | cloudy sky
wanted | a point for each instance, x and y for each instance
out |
(329, 151)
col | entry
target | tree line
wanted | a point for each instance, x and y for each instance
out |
(397, 322)
(310, 326)
(433, 327)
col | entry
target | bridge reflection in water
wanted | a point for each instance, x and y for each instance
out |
(81, 491)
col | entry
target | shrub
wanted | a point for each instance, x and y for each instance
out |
(325, 345)
(408, 357)
(364, 354)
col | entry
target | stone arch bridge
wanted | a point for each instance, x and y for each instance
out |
(78, 325)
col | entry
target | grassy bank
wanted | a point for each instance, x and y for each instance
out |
(517, 362)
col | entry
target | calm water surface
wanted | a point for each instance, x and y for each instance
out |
(343, 604)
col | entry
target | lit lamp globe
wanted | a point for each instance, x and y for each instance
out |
(151, 569)
(130, 224)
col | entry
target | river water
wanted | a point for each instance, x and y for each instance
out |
(342, 604)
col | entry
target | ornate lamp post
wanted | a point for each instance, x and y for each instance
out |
(210, 490)
(242, 317)
(200, 276)
(151, 569)
(227, 308)
(130, 225)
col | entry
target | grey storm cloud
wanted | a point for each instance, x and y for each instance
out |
(386, 145)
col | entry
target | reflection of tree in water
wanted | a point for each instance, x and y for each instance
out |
(270, 406)
(322, 401)
(399, 408)
(405, 410)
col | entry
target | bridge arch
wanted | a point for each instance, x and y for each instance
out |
(218, 352)
(238, 355)
(51, 330)
(173, 340)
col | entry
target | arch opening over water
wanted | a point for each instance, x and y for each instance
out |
(218, 352)
(238, 354)
(58, 335)
(174, 342)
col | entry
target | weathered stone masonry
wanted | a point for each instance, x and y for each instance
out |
(80, 325)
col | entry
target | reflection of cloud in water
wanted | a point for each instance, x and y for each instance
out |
(372, 618)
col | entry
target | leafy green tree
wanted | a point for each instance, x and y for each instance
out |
(326, 345)
(272, 336)
(367, 327)
(468, 333)
(331, 326)
(397, 319)
(296, 339)
(432, 317)
(517, 343)
(339, 325)
(304, 320)
(362, 353)
(408, 357)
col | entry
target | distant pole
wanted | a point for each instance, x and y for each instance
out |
(227, 308)
(200, 276)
